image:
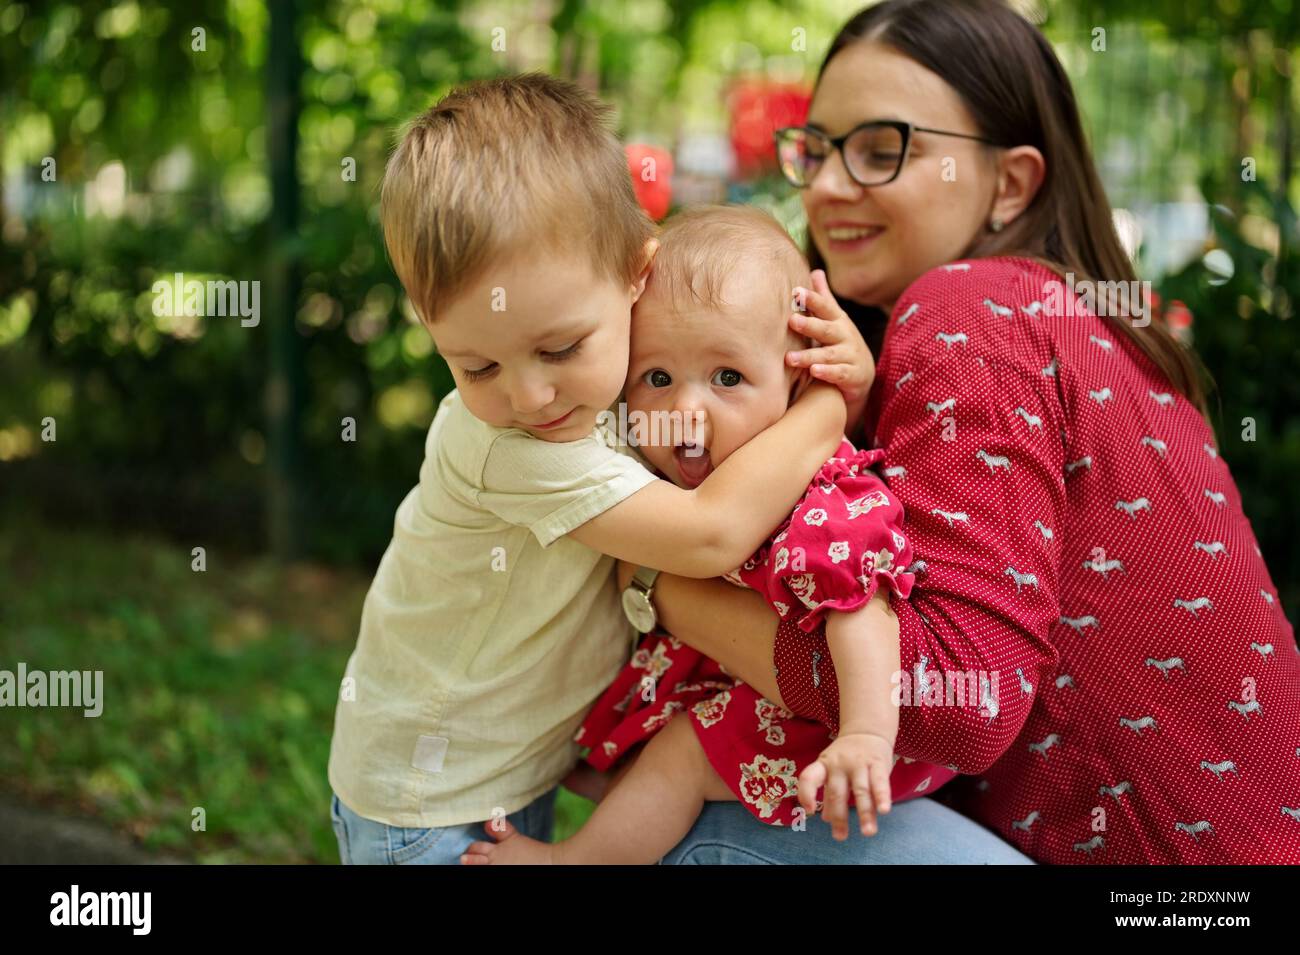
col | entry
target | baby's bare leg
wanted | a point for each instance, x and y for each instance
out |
(651, 806)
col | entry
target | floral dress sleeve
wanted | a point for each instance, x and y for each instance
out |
(842, 542)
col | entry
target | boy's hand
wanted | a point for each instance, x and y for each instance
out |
(843, 359)
(862, 761)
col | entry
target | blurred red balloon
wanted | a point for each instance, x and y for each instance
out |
(652, 177)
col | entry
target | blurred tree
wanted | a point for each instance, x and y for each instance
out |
(284, 385)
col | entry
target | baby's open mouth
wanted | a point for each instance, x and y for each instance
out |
(693, 463)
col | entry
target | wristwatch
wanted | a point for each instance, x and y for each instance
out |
(637, 602)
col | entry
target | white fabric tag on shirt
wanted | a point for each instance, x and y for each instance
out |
(429, 753)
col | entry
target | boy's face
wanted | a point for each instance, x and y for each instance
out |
(539, 343)
(723, 368)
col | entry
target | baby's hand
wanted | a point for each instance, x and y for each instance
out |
(844, 359)
(861, 760)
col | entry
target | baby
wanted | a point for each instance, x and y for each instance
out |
(709, 338)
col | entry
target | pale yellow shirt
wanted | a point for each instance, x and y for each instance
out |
(487, 634)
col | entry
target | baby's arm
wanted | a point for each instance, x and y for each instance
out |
(864, 646)
(718, 525)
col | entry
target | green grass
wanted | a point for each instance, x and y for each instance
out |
(219, 692)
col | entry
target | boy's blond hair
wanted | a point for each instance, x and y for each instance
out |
(498, 167)
(701, 247)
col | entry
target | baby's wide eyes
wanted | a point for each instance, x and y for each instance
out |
(724, 377)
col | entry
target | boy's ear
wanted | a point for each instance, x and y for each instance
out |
(638, 287)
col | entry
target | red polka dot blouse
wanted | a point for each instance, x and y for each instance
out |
(1093, 636)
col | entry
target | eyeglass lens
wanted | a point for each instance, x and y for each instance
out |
(872, 154)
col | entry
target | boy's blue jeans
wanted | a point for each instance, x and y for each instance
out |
(364, 841)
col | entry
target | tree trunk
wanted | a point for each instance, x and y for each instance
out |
(284, 384)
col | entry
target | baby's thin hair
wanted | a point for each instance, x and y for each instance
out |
(702, 246)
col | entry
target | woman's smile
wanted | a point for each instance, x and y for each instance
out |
(847, 237)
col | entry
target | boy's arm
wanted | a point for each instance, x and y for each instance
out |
(864, 646)
(717, 526)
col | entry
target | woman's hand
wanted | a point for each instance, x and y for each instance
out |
(843, 359)
(861, 761)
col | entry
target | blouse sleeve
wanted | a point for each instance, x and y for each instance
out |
(844, 540)
(973, 431)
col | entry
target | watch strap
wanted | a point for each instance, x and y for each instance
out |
(645, 577)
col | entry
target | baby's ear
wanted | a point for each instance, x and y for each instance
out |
(801, 380)
(796, 342)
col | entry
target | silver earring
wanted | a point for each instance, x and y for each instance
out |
(996, 225)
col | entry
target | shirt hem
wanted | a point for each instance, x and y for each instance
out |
(436, 820)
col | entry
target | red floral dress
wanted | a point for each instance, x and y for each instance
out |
(842, 541)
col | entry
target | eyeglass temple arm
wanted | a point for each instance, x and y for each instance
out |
(944, 132)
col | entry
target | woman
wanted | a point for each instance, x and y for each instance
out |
(1087, 563)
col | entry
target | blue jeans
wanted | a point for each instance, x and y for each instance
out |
(364, 841)
(916, 832)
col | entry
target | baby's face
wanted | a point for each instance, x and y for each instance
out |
(724, 369)
(538, 344)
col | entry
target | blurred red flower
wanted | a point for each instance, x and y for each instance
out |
(1176, 316)
(759, 108)
(652, 177)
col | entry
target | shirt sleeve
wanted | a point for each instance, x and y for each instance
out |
(972, 428)
(844, 540)
(553, 487)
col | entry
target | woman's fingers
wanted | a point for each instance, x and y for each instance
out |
(834, 374)
(820, 285)
(821, 311)
(827, 355)
(821, 328)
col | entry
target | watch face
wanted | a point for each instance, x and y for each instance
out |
(638, 610)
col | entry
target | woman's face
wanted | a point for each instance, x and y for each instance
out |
(930, 213)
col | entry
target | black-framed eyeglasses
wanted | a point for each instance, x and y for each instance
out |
(873, 152)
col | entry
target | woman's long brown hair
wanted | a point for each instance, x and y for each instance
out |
(1010, 80)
